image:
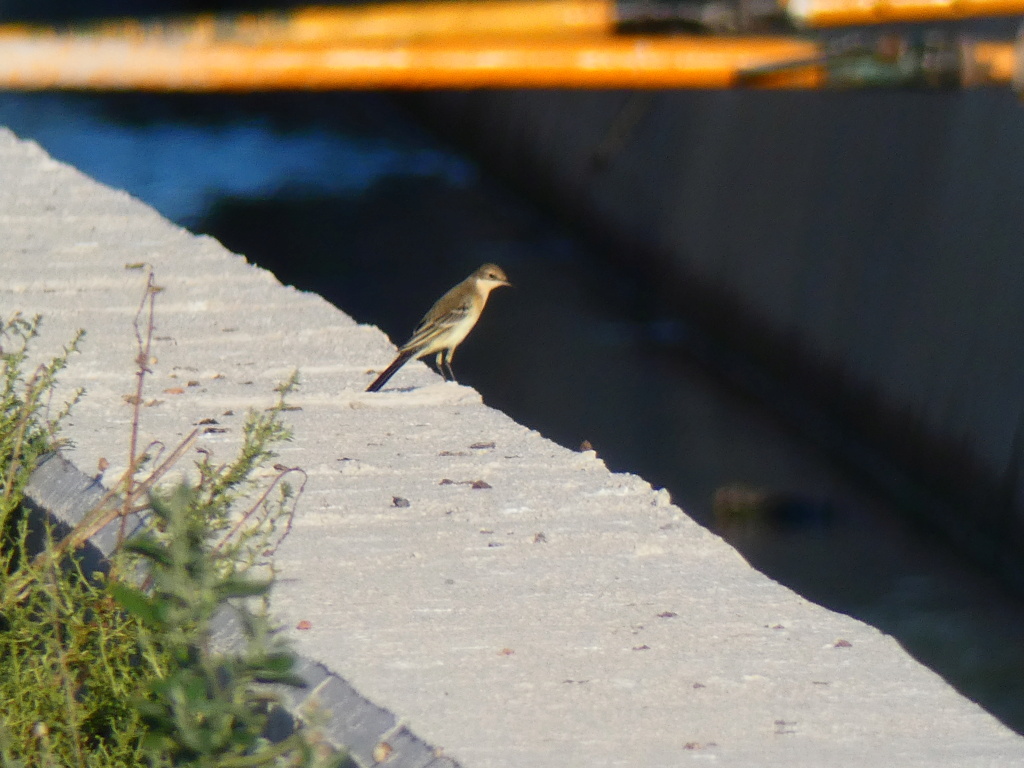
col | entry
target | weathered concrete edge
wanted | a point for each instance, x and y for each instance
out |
(345, 718)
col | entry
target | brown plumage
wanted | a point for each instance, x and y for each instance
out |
(447, 324)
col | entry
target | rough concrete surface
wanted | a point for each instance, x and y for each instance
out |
(511, 601)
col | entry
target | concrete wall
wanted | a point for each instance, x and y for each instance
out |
(864, 247)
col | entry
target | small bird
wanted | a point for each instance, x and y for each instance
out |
(447, 323)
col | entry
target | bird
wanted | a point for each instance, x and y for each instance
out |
(447, 323)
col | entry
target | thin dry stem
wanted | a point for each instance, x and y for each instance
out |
(259, 503)
(144, 345)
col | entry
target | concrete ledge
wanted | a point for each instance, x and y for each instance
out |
(555, 614)
(58, 490)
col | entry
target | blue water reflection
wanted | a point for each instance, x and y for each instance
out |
(183, 168)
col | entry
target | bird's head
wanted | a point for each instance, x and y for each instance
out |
(491, 276)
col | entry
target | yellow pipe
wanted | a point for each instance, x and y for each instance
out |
(605, 62)
(192, 55)
(412, 21)
(396, 21)
(840, 13)
(409, 22)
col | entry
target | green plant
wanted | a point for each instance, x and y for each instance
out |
(54, 713)
(70, 663)
(207, 709)
(27, 429)
(97, 670)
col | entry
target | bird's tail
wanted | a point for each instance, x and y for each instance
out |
(390, 371)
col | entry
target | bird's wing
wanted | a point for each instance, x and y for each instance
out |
(436, 324)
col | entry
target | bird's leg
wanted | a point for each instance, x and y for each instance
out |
(446, 363)
(442, 366)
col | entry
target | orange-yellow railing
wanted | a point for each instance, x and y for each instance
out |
(475, 44)
(463, 63)
(407, 21)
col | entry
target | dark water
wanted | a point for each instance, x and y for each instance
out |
(343, 194)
